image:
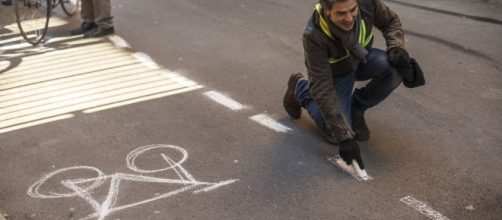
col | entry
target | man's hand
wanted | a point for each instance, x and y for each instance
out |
(399, 58)
(349, 150)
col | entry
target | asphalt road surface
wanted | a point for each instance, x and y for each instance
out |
(179, 116)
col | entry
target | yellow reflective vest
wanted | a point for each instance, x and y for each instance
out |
(362, 39)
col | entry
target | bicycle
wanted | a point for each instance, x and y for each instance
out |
(32, 16)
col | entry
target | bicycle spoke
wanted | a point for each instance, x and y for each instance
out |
(70, 7)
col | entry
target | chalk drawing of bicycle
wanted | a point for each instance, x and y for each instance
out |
(84, 188)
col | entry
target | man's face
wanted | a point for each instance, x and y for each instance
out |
(343, 15)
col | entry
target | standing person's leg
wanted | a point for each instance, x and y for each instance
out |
(87, 11)
(384, 79)
(103, 18)
(343, 87)
(103, 12)
(87, 14)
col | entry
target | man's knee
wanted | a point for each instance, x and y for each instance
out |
(382, 62)
(387, 71)
(395, 77)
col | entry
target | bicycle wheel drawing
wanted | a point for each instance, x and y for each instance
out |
(70, 7)
(55, 184)
(32, 17)
(181, 153)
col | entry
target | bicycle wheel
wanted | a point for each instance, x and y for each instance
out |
(32, 17)
(70, 7)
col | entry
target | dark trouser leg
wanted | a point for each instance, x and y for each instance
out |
(343, 87)
(384, 79)
(103, 13)
(87, 11)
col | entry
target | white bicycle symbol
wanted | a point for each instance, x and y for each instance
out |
(83, 187)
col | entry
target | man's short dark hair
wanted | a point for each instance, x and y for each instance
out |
(327, 4)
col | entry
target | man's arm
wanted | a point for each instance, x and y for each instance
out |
(388, 22)
(323, 91)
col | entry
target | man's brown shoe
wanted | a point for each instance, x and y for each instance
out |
(290, 102)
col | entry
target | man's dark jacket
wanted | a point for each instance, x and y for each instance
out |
(319, 48)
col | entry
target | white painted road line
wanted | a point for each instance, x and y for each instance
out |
(145, 60)
(224, 100)
(180, 79)
(119, 42)
(423, 208)
(270, 123)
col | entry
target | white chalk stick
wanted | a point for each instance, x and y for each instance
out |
(361, 173)
(354, 170)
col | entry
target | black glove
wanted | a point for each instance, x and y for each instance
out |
(415, 78)
(399, 58)
(349, 150)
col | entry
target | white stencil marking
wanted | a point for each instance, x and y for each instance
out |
(423, 208)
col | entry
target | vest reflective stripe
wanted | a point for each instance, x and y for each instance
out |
(324, 25)
(362, 41)
(368, 40)
(361, 38)
(333, 60)
(362, 32)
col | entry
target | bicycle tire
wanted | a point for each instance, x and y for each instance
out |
(70, 7)
(32, 17)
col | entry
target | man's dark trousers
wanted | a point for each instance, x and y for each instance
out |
(384, 79)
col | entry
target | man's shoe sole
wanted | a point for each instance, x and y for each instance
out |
(100, 34)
